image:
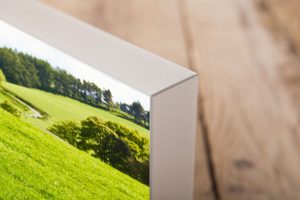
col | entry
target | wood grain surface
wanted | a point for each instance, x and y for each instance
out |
(248, 130)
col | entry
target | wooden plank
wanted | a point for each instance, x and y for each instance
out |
(156, 26)
(153, 25)
(252, 124)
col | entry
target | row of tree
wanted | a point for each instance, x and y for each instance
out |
(122, 148)
(137, 111)
(29, 71)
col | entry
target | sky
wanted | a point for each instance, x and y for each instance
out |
(16, 39)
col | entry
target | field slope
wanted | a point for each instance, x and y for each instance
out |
(36, 165)
(63, 108)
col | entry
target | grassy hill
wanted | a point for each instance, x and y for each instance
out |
(18, 105)
(36, 165)
(63, 108)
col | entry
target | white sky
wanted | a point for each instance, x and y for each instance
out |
(16, 39)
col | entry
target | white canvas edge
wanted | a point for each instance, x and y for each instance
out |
(125, 62)
(173, 131)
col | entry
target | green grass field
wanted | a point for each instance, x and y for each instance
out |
(5, 97)
(37, 165)
(63, 108)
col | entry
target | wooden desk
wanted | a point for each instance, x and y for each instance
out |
(248, 136)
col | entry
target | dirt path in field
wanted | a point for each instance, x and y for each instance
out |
(33, 113)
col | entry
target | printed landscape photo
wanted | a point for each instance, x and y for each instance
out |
(67, 130)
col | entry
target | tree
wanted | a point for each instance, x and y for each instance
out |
(108, 147)
(137, 110)
(147, 118)
(26, 70)
(98, 95)
(68, 130)
(93, 127)
(108, 99)
(2, 77)
(45, 74)
(125, 108)
(123, 148)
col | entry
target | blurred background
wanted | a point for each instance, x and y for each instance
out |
(246, 53)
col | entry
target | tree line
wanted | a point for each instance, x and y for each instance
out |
(26, 70)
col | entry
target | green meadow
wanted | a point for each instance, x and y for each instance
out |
(61, 108)
(66, 138)
(37, 165)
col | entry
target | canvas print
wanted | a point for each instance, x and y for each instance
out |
(67, 130)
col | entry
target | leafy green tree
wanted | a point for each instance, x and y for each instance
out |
(137, 110)
(124, 149)
(29, 76)
(131, 135)
(69, 131)
(147, 118)
(98, 95)
(93, 127)
(109, 147)
(108, 99)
